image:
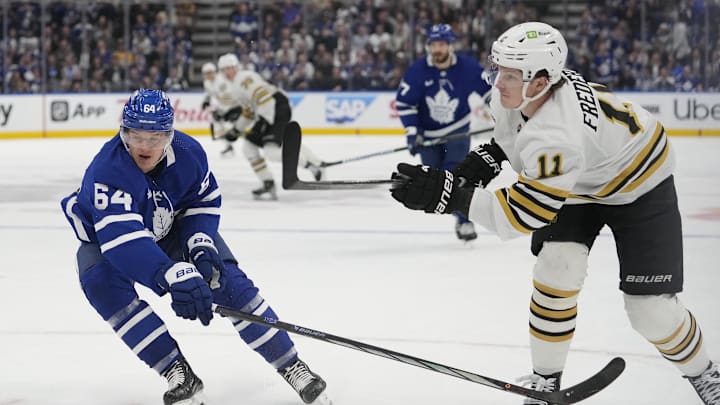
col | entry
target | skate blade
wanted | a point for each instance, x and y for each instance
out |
(322, 399)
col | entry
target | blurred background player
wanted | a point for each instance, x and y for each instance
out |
(209, 72)
(147, 212)
(263, 113)
(432, 101)
(585, 159)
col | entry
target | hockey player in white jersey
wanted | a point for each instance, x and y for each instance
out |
(433, 101)
(147, 213)
(264, 112)
(218, 126)
(585, 158)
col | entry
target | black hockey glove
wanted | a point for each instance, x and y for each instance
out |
(480, 166)
(205, 104)
(430, 190)
(260, 128)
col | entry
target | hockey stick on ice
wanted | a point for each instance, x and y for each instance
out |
(290, 156)
(429, 142)
(570, 395)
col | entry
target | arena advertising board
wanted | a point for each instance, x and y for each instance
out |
(351, 113)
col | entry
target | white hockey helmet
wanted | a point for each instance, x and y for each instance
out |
(228, 60)
(531, 47)
(208, 68)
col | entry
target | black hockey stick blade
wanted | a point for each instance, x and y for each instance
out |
(571, 395)
(292, 140)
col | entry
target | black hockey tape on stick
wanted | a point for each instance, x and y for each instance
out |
(292, 140)
(570, 395)
(429, 142)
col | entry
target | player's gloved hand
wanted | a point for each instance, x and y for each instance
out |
(204, 255)
(431, 190)
(414, 140)
(218, 116)
(205, 104)
(233, 134)
(190, 294)
(260, 128)
(480, 166)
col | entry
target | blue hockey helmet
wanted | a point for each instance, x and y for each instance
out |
(440, 32)
(148, 110)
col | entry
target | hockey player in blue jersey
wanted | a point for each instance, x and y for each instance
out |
(147, 212)
(432, 101)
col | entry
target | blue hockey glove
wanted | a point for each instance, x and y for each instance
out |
(204, 255)
(190, 294)
(430, 190)
(414, 140)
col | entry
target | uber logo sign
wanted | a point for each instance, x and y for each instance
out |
(59, 110)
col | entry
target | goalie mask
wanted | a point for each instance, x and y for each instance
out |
(147, 120)
(531, 48)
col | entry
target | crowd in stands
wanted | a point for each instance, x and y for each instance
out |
(343, 45)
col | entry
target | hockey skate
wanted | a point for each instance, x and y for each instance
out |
(707, 385)
(543, 383)
(228, 151)
(184, 387)
(267, 191)
(465, 231)
(317, 171)
(307, 384)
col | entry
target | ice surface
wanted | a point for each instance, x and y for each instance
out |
(352, 263)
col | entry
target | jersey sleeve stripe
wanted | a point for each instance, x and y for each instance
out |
(624, 177)
(117, 218)
(538, 187)
(124, 239)
(200, 211)
(77, 223)
(654, 165)
(215, 194)
(510, 213)
(409, 111)
(532, 206)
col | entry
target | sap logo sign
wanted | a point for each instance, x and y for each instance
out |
(346, 108)
(60, 111)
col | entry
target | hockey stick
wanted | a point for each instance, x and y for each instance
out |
(290, 156)
(427, 143)
(571, 395)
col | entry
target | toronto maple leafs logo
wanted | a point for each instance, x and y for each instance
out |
(162, 213)
(442, 107)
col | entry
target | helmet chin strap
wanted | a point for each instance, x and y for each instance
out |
(528, 100)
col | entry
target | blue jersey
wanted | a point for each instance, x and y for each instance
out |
(435, 101)
(127, 212)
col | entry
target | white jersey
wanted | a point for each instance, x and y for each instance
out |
(583, 145)
(210, 87)
(249, 90)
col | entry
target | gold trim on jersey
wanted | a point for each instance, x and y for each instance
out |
(619, 182)
(512, 216)
(530, 205)
(549, 191)
(654, 165)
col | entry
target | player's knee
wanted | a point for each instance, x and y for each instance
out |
(654, 316)
(250, 150)
(104, 294)
(272, 151)
(562, 265)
